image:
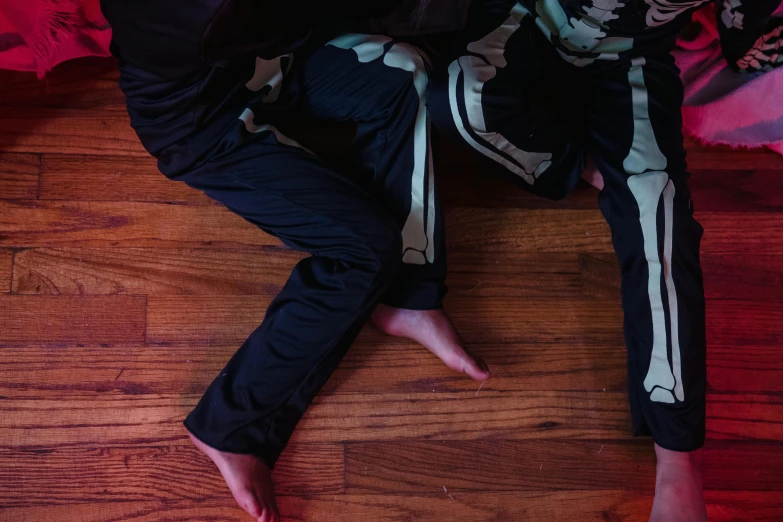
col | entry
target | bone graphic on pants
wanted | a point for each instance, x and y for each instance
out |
(417, 234)
(270, 73)
(648, 182)
(475, 73)
(583, 34)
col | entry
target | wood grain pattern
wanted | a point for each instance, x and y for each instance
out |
(37, 418)
(19, 176)
(585, 231)
(144, 473)
(49, 223)
(67, 130)
(531, 506)
(408, 467)
(163, 271)
(122, 294)
(111, 178)
(737, 190)
(152, 271)
(230, 319)
(6, 270)
(108, 319)
(592, 320)
(138, 369)
(726, 276)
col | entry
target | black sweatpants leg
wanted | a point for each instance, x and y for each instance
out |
(355, 239)
(632, 126)
(635, 136)
(400, 170)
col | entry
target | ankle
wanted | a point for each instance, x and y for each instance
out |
(678, 458)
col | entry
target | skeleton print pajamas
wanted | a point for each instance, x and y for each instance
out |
(618, 99)
(610, 61)
(210, 107)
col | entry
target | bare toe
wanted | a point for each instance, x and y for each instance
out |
(435, 331)
(248, 478)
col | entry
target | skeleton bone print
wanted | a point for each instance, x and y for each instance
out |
(664, 11)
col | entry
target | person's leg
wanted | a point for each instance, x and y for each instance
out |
(381, 85)
(248, 413)
(636, 139)
(490, 95)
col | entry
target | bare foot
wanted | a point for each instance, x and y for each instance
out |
(679, 494)
(434, 330)
(248, 479)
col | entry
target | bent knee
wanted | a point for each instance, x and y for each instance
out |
(408, 58)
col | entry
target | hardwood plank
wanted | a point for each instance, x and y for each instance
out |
(162, 271)
(532, 506)
(36, 419)
(31, 319)
(68, 130)
(585, 231)
(6, 270)
(725, 276)
(50, 223)
(745, 416)
(230, 319)
(738, 233)
(168, 473)
(159, 271)
(490, 320)
(740, 277)
(408, 467)
(514, 274)
(745, 368)
(111, 178)
(548, 230)
(737, 190)
(54, 223)
(19, 176)
(43, 420)
(390, 367)
(738, 323)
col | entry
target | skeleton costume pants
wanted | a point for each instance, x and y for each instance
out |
(625, 113)
(378, 244)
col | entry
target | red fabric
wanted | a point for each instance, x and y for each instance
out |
(36, 35)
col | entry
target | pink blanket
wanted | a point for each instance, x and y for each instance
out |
(36, 35)
(722, 106)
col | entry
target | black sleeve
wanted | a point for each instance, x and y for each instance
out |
(749, 34)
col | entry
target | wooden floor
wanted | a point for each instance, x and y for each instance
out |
(122, 294)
